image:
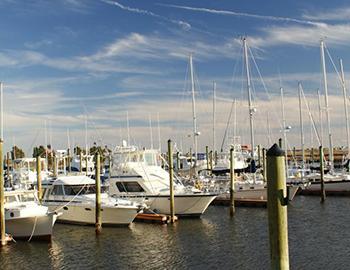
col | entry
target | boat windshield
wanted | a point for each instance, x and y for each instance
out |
(81, 190)
(151, 159)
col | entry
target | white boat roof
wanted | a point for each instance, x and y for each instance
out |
(73, 180)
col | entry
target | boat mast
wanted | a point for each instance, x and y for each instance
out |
(301, 127)
(268, 128)
(86, 139)
(345, 106)
(193, 111)
(326, 104)
(320, 116)
(214, 108)
(251, 108)
(284, 131)
(127, 127)
(234, 120)
(150, 130)
(159, 140)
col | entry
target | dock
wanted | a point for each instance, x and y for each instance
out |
(224, 200)
(153, 218)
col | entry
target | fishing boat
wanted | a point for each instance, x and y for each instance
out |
(137, 174)
(74, 197)
(25, 217)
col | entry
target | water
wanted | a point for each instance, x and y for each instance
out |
(318, 239)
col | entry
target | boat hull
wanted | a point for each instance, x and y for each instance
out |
(39, 227)
(191, 205)
(341, 187)
(85, 214)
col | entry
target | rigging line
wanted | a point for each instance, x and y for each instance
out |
(264, 86)
(334, 66)
(181, 105)
(311, 117)
(34, 141)
(227, 126)
(99, 136)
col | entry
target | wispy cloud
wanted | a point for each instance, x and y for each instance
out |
(338, 34)
(243, 14)
(184, 25)
(337, 14)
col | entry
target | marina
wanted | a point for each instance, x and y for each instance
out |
(213, 241)
(158, 135)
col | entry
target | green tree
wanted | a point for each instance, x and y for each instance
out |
(17, 152)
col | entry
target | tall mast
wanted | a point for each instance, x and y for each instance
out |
(45, 133)
(234, 120)
(214, 108)
(150, 130)
(327, 106)
(320, 116)
(159, 140)
(127, 127)
(86, 138)
(251, 108)
(345, 106)
(284, 131)
(2, 113)
(195, 133)
(301, 127)
(268, 128)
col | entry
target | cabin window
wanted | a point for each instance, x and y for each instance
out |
(57, 190)
(129, 187)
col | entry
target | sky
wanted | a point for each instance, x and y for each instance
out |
(67, 62)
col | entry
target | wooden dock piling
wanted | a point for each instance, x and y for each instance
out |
(38, 177)
(207, 156)
(323, 191)
(98, 218)
(277, 208)
(232, 184)
(2, 196)
(171, 182)
(264, 164)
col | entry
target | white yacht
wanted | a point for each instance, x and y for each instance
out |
(223, 161)
(24, 171)
(137, 174)
(25, 217)
(90, 166)
(74, 196)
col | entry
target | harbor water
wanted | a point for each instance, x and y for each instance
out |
(319, 238)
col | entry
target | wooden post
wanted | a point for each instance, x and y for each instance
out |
(207, 155)
(98, 218)
(232, 183)
(80, 162)
(264, 164)
(86, 164)
(323, 191)
(215, 157)
(280, 143)
(68, 160)
(2, 198)
(171, 182)
(8, 168)
(277, 208)
(177, 161)
(38, 177)
(211, 160)
(55, 173)
(259, 155)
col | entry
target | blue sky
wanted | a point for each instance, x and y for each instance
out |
(62, 61)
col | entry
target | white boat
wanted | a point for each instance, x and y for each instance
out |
(25, 217)
(90, 166)
(24, 172)
(74, 196)
(137, 174)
